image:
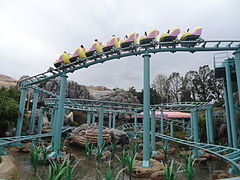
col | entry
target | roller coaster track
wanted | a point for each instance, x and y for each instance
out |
(166, 124)
(117, 53)
(44, 91)
(128, 107)
(229, 154)
(10, 140)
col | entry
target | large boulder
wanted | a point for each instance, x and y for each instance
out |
(73, 89)
(89, 133)
(140, 172)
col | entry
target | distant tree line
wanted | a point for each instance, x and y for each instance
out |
(194, 86)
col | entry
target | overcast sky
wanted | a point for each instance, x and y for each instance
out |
(34, 33)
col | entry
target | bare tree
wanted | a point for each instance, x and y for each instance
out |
(160, 85)
(174, 86)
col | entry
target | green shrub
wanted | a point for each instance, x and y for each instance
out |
(8, 108)
(0, 159)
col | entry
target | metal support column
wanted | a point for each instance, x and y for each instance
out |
(40, 121)
(161, 123)
(21, 111)
(207, 125)
(60, 117)
(114, 120)
(52, 117)
(171, 128)
(33, 115)
(153, 131)
(88, 118)
(110, 120)
(135, 123)
(191, 123)
(146, 107)
(227, 115)
(231, 104)
(93, 118)
(195, 131)
(237, 65)
(100, 124)
(210, 125)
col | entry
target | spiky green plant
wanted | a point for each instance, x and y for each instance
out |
(134, 148)
(165, 148)
(88, 149)
(113, 149)
(130, 161)
(44, 153)
(100, 150)
(188, 168)
(35, 154)
(109, 173)
(69, 169)
(168, 171)
(123, 160)
(56, 171)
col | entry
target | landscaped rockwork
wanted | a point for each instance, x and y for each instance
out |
(89, 133)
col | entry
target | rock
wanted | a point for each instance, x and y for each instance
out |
(97, 88)
(7, 81)
(201, 159)
(60, 159)
(219, 174)
(73, 89)
(113, 95)
(119, 136)
(68, 119)
(159, 156)
(45, 121)
(11, 132)
(146, 172)
(89, 133)
(7, 167)
(157, 175)
(106, 155)
(208, 156)
(159, 143)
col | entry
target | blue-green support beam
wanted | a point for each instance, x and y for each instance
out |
(161, 123)
(21, 111)
(110, 120)
(60, 118)
(3, 150)
(227, 115)
(88, 118)
(146, 110)
(135, 123)
(40, 120)
(231, 104)
(210, 124)
(171, 128)
(207, 126)
(153, 131)
(237, 65)
(191, 123)
(34, 107)
(195, 131)
(114, 120)
(52, 116)
(100, 124)
(93, 118)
